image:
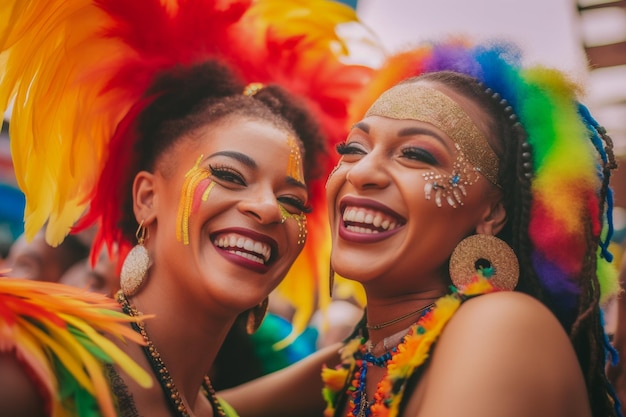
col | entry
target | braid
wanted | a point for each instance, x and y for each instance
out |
(587, 332)
(521, 209)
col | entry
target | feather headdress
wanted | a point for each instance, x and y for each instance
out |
(77, 72)
(55, 331)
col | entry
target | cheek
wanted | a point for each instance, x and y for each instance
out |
(333, 185)
(201, 194)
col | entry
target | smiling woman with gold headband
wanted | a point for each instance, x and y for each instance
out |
(471, 202)
(187, 131)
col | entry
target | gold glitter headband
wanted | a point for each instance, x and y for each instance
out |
(417, 102)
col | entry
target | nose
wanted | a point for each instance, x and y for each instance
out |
(369, 172)
(262, 206)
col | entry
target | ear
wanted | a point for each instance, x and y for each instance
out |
(144, 197)
(493, 220)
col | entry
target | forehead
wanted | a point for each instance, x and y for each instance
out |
(253, 136)
(446, 110)
(237, 131)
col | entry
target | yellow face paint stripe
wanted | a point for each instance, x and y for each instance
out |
(294, 166)
(192, 178)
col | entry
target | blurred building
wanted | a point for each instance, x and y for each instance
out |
(603, 36)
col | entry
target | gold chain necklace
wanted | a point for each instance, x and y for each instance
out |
(159, 369)
(397, 319)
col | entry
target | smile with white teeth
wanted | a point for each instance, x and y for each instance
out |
(361, 220)
(245, 247)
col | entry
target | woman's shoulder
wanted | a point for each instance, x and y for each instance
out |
(510, 308)
(505, 353)
(511, 327)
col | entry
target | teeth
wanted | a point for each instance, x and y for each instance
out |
(233, 242)
(248, 256)
(368, 217)
(361, 230)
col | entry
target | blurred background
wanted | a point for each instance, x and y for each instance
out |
(586, 38)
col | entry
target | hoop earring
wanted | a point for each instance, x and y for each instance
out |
(488, 256)
(256, 315)
(136, 264)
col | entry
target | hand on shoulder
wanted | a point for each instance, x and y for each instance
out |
(503, 354)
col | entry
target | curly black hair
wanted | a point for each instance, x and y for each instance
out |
(187, 98)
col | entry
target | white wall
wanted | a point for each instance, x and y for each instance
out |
(547, 30)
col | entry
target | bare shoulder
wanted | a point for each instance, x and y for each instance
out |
(509, 310)
(18, 393)
(504, 354)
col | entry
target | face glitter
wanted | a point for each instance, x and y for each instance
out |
(451, 187)
(415, 101)
(300, 218)
(294, 166)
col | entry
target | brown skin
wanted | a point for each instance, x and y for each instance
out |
(189, 288)
(501, 354)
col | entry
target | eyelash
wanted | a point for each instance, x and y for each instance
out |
(345, 149)
(413, 153)
(419, 154)
(296, 203)
(228, 174)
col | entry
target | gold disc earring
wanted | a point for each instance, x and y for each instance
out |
(489, 256)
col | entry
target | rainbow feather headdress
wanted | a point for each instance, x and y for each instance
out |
(570, 162)
(77, 71)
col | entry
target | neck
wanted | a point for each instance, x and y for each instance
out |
(187, 340)
(388, 316)
(388, 343)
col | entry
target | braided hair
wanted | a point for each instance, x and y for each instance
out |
(509, 140)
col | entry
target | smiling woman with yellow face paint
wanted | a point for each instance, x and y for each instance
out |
(193, 147)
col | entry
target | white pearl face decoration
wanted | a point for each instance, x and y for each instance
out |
(451, 187)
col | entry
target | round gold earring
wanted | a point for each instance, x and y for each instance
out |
(489, 256)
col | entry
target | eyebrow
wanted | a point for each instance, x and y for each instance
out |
(293, 181)
(244, 159)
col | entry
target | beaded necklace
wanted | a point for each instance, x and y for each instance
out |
(403, 360)
(160, 370)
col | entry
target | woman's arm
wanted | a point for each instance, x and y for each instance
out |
(293, 391)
